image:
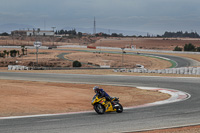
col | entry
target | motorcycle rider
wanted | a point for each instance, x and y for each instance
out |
(101, 93)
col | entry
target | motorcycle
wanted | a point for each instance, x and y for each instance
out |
(101, 105)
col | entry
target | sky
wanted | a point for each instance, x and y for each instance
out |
(152, 16)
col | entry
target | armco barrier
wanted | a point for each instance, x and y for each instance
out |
(182, 70)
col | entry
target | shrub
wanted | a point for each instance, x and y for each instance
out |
(13, 53)
(177, 48)
(198, 49)
(76, 64)
(189, 47)
(2, 55)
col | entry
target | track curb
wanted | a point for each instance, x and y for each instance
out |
(176, 96)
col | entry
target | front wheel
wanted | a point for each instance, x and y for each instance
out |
(119, 109)
(100, 109)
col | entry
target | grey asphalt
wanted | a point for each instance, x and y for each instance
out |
(163, 116)
(181, 62)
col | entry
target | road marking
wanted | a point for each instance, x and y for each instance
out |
(176, 96)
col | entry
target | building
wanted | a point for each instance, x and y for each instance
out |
(33, 32)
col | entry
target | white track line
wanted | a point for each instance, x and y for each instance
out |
(176, 96)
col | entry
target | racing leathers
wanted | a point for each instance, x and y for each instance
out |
(101, 93)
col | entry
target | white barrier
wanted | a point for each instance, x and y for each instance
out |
(198, 71)
(182, 70)
(17, 67)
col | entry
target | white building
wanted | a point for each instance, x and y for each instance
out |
(33, 32)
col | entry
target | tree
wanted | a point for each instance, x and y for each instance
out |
(80, 34)
(181, 34)
(76, 64)
(114, 35)
(177, 48)
(189, 47)
(5, 52)
(120, 35)
(198, 49)
(13, 53)
(2, 55)
(4, 34)
(23, 49)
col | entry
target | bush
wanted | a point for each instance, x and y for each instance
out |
(189, 47)
(4, 34)
(2, 55)
(76, 64)
(177, 48)
(13, 53)
(198, 49)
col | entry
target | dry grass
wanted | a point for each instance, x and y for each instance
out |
(115, 60)
(148, 43)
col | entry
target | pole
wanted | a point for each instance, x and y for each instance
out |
(37, 55)
(37, 45)
(53, 34)
(13, 40)
(131, 42)
(122, 57)
(100, 46)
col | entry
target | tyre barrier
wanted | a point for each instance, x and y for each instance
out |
(182, 70)
(17, 67)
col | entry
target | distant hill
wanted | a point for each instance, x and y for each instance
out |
(107, 31)
(13, 26)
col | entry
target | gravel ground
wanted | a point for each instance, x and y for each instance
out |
(29, 98)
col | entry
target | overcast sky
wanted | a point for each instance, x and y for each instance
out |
(153, 16)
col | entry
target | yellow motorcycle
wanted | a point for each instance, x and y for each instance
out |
(101, 105)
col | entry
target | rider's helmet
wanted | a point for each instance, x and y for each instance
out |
(96, 89)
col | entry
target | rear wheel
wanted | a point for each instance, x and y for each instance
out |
(100, 109)
(119, 109)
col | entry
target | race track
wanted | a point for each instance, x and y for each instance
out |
(180, 61)
(168, 115)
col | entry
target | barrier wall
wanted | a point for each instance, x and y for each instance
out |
(182, 70)
(17, 67)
